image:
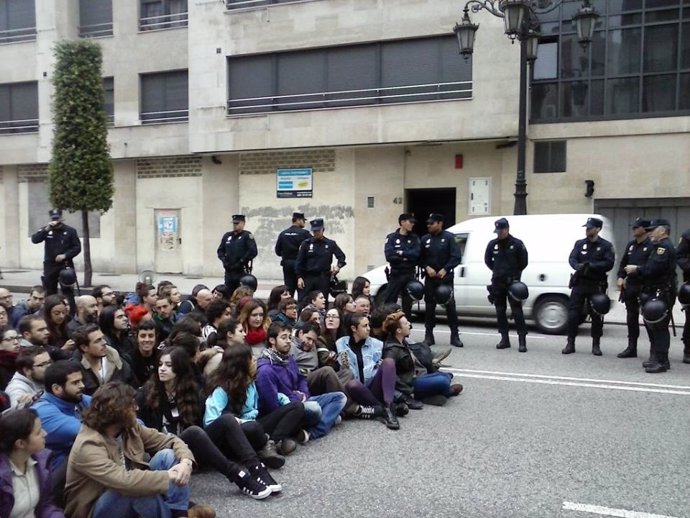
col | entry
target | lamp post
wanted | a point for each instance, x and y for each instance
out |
(521, 20)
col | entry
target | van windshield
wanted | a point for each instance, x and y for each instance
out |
(461, 241)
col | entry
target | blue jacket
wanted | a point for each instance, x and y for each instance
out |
(61, 420)
(218, 403)
(372, 353)
(272, 379)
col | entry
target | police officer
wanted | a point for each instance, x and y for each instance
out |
(506, 257)
(440, 254)
(287, 247)
(591, 259)
(658, 276)
(62, 245)
(314, 266)
(402, 249)
(683, 259)
(236, 251)
(636, 252)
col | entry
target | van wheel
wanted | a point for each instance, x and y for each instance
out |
(551, 315)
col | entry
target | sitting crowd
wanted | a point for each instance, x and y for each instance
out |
(221, 381)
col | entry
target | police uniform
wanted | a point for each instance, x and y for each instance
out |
(314, 260)
(59, 240)
(439, 251)
(636, 252)
(506, 258)
(402, 253)
(683, 260)
(236, 251)
(591, 261)
(287, 247)
(658, 276)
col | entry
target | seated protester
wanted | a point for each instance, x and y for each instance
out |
(147, 294)
(108, 475)
(32, 306)
(136, 315)
(33, 330)
(203, 298)
(326, 348)
(189, 324)
(230, 333)
(143, 360)
(172, 293)
(27, 383)
(115, 326)
(413, 382)
(362, 305)
(278, 381)
(239, 297)
(221, 292)
(344, 303)
(216, 312)
(231, 391)
(362, 355)
(9, 350)
(99, 362)
(87, 313)
(190, 344)
(278, 294)
(188, 304)
(162, 286)
(171, 402)
(255, 321)
(286, 312)
(55, 311)
(4, 317)
(309, 315)
(164, 317)
(25, 488)
(315, 301)
(60, 408)
(105, 296)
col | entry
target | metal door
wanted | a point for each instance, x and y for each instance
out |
(168, 240)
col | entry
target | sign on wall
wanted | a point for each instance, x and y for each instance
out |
(294, 183)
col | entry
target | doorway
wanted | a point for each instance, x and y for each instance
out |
(423, 202)
(168, 241)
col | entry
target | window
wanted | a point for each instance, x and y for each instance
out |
(19, 108)
(243, 4)
(637, 64)
(164, 97)
(17, 21)
(95, 18)
(549, 157)
(162, 14)
(425, 69)
(109, 99)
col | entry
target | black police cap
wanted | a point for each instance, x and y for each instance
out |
(236, 218)
(434, 217)
(640, 222)
(500, 224)
(55, 214)
(593, 223)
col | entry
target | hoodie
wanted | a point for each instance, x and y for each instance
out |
(273, 379)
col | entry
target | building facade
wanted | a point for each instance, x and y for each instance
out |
(350, 110)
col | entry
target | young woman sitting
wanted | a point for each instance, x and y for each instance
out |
(255, 321)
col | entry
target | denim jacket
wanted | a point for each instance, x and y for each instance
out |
(371, 354)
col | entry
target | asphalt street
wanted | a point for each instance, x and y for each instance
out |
(532, 435)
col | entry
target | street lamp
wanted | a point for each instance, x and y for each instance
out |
(521, 20)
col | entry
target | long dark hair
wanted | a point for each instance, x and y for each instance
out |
(15, 425)
(358, 286)
(233, 375)
(186, 389)
(275, 296)
(56, 332)
(106, 320)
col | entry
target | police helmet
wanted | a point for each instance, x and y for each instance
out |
(600, 303)
(249, 281)
(684, 294)
(337, 287)
(67, 277)
(444, 293)
(518, 291)
(654, 311)
(415, 289)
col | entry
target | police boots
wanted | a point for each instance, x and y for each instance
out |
(651, 360)
(596, 350)
(504, 343)
(661, 365)
(569, 347)
(686, 354)
(455, 338)
(429, 337)
(630, 351)
(522, 343)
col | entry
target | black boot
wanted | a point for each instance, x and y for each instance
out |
(651, 360)
(630, 351)
(389, 418)
(504, 343)
(429, 337)
(455, 339)
(661, 365)
(522, 343)
(686, 354)
(596, 350)
(569, 347)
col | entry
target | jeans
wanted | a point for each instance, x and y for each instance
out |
(111, 503)
(320, 412)
(432, 385)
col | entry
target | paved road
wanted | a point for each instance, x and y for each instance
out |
(533, 435)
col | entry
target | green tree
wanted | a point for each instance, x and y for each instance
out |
(80, 172)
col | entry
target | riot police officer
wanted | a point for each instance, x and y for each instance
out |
(658, 276)
(636, 252)
(591, 258)
(62, 245)
(683, 259)
(440, 254)
(236, 251)
(314, 265)
(402, 249)
(506, 257)
(287, 246)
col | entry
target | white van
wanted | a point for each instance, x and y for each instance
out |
(549, 239)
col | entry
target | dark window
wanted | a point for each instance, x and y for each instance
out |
(244, 4)
(164, 97)
(95, 18)
(17, 21)
(416, 70)
(637, 64)
(109, 98)
(162, 14)
(549, 157)
(19, 108)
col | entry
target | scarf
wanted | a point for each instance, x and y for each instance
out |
(276, 357)
(255, 336)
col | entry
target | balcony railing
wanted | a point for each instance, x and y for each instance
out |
(164, 116)
(96, 30)
(18, 126)
(346, 98)
(17, 35)
(163, 21)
